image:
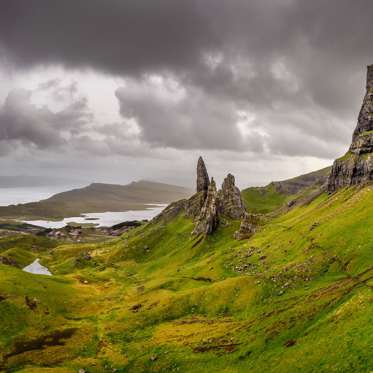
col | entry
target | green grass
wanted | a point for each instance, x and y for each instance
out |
(263, 200)
(296, 297)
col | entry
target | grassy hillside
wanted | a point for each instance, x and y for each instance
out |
(276, 194)
(296, 297)
(98, 198)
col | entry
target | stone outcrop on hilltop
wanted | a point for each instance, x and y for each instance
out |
(356, 166)
(231, 204)
(208, 205)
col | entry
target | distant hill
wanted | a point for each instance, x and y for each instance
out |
(274, 195)
(98, 197)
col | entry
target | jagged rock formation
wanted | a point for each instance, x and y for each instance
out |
(248, 226)
(195, 203)
(208, 204)
(208, 218)
(356, 166)
(171, 211)
(203, 180)
(231, 204)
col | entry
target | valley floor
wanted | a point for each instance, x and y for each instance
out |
(296, 297)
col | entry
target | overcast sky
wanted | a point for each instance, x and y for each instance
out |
(116, 91)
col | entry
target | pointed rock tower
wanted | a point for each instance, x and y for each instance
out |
(356, 166)
(203, 180)
(195, 203)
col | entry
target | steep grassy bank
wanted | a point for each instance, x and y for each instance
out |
(296, 297)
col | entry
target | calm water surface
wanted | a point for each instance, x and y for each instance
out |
(102, 219)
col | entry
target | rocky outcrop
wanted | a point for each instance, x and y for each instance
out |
(350, 170)
(8, 261)
(230, 201)
(207, 220)
(208, 205)
(171, 211)
(248, 226)
(203, 180)
(356, 166)
(194, 204)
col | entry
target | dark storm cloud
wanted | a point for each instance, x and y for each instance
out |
(116, 36)
(282, 61)
(193, 121)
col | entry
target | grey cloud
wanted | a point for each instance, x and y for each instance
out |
(319, 49)
(131, 36)
(25, 126)
(194, 121)
(49, 84)
(21, 122)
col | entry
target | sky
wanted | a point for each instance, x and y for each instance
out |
(115, 91)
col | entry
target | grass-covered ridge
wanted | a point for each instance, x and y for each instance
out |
(296, 297)
(276, 194)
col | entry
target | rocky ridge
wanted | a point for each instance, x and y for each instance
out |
(356, 166)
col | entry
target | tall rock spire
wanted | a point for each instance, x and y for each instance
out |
(356, 166)
(203, 180)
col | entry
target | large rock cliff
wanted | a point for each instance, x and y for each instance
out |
(356, 166)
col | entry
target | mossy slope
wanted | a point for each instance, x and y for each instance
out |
(296, 297)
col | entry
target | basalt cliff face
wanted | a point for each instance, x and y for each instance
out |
(356, 166)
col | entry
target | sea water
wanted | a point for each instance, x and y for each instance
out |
(103, 219)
